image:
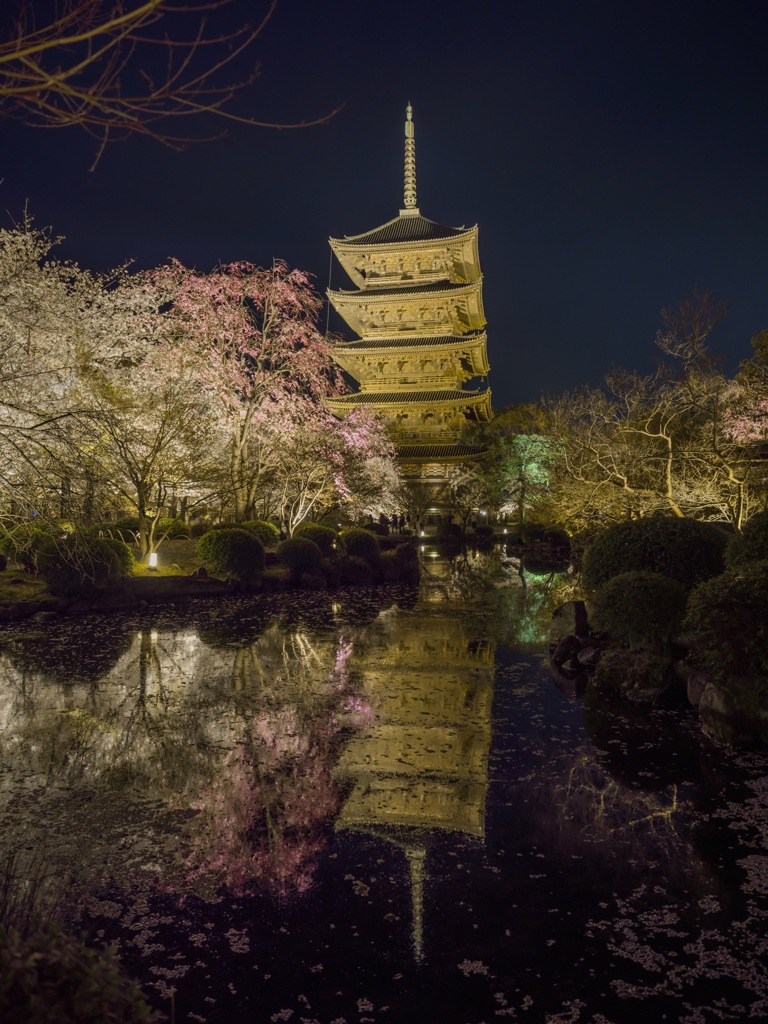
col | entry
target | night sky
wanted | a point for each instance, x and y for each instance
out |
(614, 155)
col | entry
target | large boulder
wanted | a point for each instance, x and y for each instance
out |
(735, 712)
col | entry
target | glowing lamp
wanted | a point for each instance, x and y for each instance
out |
(153, 560)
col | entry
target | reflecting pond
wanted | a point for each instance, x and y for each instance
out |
(376, 806)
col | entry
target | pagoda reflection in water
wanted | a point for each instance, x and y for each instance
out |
(422, 767)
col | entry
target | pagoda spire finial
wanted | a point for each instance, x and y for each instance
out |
(410, 163)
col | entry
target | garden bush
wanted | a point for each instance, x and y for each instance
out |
(638, 609)
(353, 569)
(79, 566)
(556, 537)
(751, 545)
(124, 555)
(682, 549)
(126, 529)
(231, 552)
(484, 534)
(267, 533)
(532, 534)
(300, 555)
(23, 543)
(726, 625)
(450, 533)
(53, 978)
(326, 538)
(361, 544)
(171, 528)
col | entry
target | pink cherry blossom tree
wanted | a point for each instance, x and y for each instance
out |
(324, 463)
(252, 334)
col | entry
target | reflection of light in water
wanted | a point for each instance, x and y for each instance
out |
(422, 766)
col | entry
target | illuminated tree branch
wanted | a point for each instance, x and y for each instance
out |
(120, 67)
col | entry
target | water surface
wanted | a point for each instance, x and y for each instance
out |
(376, 806)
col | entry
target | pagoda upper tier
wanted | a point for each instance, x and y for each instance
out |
(411, 363)
(417, 308)
(410, 249)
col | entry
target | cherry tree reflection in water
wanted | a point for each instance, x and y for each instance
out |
(263, 820)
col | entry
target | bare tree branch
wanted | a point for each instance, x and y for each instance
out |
(123, 67)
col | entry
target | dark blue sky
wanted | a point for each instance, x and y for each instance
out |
(614, 155)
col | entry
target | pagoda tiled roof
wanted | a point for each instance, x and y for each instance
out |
(367, 294)
(438, 451)
(398, 397)
(435, 341)
(403, 228)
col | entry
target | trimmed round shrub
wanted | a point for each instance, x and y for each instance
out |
(23, 544)
(326, 538)
(79, 566)
(171, 528)
(231, 552)
(124, 555)
(53, 978)
(532, 534)
(726, 625)
(267, 533)
(450, 533)
(361, 544)
(126, 528)
(751, 545)
(682, 549)
(380, 529)
(556, 537)
(300, 555)
(484, 534)
(354, 570)
(638, 609)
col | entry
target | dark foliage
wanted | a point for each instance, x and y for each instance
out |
(361, 544)
(556, 537)
(231, 552)
(79, 566)
(300, 555)
(682, 549)
(638, 609)
(52, 978)
(124, 555)
(751, 545)
(267, 533)
(170, 529)
(354, 570)
(532, 534)
(726, 624)
(326, 538)
(23, 543)
(450, 533)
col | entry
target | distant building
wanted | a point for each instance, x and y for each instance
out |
(417, 309)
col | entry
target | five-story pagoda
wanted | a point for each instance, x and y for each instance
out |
(418, 311)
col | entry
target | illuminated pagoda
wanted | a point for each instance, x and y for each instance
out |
(418, 312)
